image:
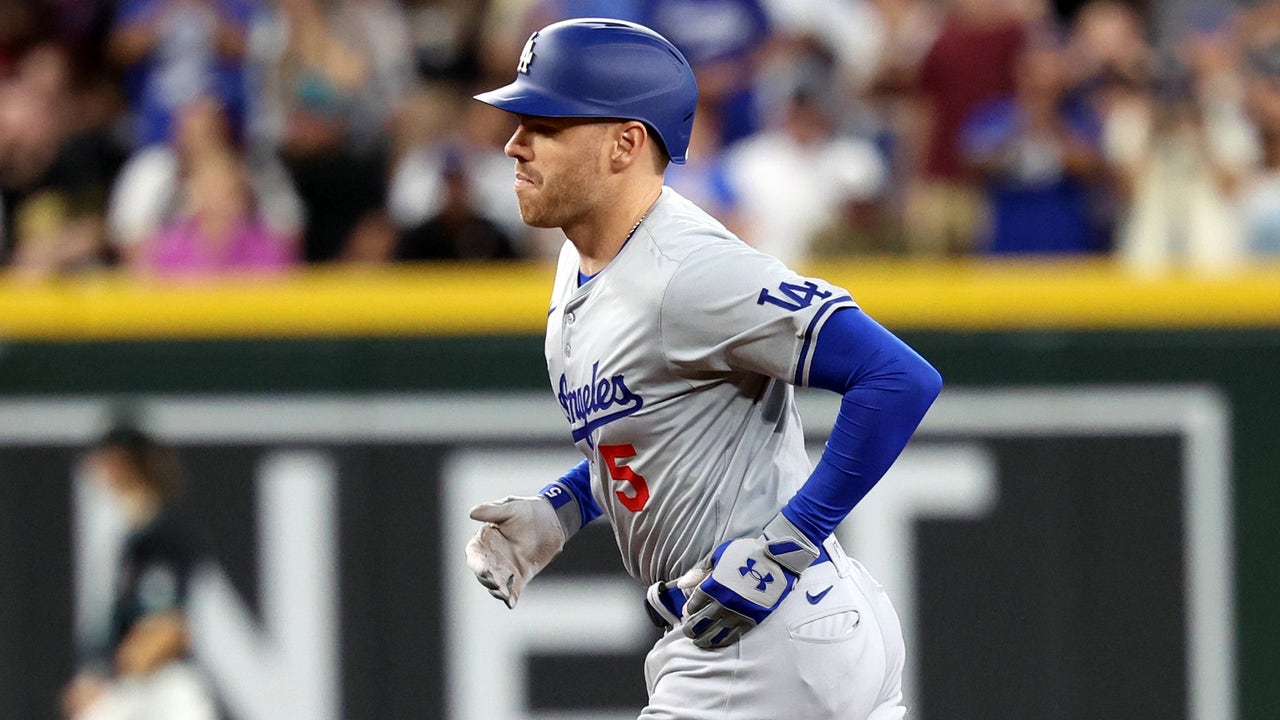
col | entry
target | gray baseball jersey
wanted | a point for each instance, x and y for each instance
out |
(674, 367)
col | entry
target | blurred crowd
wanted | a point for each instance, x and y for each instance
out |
(190, 137)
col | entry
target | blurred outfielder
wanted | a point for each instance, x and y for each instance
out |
(672, 348)
(143, 671)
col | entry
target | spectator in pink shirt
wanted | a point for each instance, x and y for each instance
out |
(221, 232)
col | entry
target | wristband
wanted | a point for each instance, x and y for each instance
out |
(565, 503)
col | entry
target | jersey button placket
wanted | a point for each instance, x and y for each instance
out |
(566, 323)
(564, 331)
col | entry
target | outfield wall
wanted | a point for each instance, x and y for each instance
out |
(1083, 527)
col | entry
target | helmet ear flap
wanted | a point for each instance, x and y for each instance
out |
(662, 146)
(604, 68)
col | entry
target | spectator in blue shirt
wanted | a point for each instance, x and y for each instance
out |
(174, 51)
(1039, 159)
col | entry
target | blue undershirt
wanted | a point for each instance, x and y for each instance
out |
(887, 389)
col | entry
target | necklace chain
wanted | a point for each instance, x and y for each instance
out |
(637, 225)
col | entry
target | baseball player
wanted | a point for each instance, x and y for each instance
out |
(673, 349)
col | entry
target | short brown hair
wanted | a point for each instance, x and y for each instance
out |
(156, 465)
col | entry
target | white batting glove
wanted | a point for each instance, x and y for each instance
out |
(520, 536)
(749, 579)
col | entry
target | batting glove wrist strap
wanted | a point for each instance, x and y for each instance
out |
(565, 503)
(790, 547)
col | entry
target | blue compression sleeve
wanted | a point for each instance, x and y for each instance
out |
(578, 482)
(887, 388)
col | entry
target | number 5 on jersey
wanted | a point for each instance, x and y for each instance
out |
(638, 497)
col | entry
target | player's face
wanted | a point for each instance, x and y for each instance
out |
(559, 164)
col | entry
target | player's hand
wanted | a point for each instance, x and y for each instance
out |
(520, 536)
(749, 579)
(82, 693)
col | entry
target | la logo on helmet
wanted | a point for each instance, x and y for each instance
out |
(526, 55)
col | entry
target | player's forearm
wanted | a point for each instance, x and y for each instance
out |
(887, 389)
(572, 499)
(155, 640)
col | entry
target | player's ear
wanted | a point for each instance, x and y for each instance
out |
(631, 141)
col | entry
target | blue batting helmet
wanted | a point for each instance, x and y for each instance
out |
(596, 67)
